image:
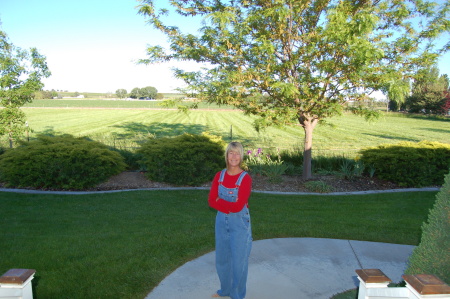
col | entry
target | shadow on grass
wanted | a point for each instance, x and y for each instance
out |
(130, 131)
(159, 129)
(436, 130)
(171, 130)
(390, 137)
(426, 117)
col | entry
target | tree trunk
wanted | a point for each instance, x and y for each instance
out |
(308, 123)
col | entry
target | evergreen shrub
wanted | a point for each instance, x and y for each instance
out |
(183, 160)
(410, 164)
(59, 162)
(432, 256)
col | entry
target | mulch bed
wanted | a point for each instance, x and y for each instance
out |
(137, 180)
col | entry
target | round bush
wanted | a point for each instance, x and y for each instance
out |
(183, 160)
(59, 162)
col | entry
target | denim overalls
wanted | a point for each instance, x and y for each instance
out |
(233, 244)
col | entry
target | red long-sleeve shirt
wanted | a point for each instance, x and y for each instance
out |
(229, 181)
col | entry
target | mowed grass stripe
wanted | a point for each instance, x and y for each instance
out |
(346, 133)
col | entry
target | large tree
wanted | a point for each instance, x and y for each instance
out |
(149, 92)
(298, 61)
(121, 93)
(21, 72)
(429, 91)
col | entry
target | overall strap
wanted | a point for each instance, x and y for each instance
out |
(241, 177)
(222, 176)
(239, 180)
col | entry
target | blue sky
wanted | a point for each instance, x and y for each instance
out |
(92, 45)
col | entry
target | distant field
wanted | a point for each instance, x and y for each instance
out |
(124, 122)
(98, 95)
(108, 103)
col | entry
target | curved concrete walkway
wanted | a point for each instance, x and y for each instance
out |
(291, 268)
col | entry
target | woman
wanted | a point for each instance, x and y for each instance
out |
(229, 195)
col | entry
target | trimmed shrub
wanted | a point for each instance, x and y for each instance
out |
(59, 162)
(432, 256)
(410, 164)
(183, 160)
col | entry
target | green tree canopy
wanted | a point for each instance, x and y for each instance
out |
(135, 93)
(298, 61)
(429, 91)
(21, 72)
(121, 93)
(148, 92)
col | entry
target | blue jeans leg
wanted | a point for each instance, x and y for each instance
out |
(233, 246)
(223, 254)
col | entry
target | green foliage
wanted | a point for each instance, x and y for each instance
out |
(121, 93)
(259, 163)
(432, 256)
(410, 164)
(45, 94)
(429, 91)
(59, 162)
(20, 77)
(131, 159)
(297, 62)
(183, 160)
(294, 157)
(349, 294)
(352, 168)
(328, 164)
(145, 92)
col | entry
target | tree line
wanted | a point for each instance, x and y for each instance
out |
(430, 94)
(148, 92)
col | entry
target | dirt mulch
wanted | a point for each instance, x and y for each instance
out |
(137, 180)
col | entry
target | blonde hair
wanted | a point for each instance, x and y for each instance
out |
(234, 146)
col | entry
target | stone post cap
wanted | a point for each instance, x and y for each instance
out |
(426, 284)
(16, 276)
(373, 276)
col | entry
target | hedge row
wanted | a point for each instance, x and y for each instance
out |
(410, 164)
(69, 163)
(59, 162)
(66, 162)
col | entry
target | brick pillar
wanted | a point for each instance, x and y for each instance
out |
(16, 283)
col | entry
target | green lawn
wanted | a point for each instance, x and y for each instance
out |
(345, 134)
(121, 245)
